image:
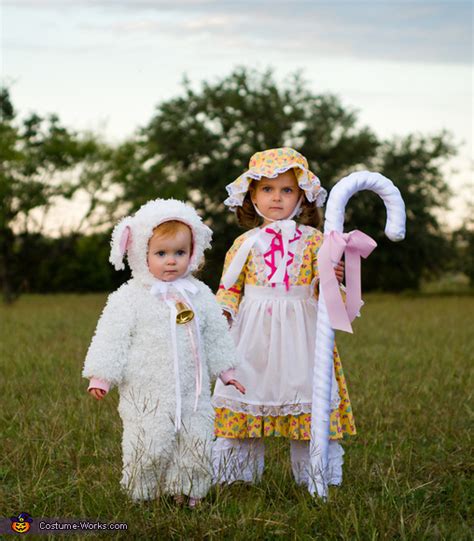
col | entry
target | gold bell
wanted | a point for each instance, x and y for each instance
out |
(184, 315)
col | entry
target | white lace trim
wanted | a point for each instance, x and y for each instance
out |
(313, 189)
(293, 269)
(298, 251)
(262, 410)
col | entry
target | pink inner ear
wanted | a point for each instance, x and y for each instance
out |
(125, 240)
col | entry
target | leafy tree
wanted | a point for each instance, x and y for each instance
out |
(414, 164)
(192, 147)
(463, 245)
(198, 142)
(74, 262)
(35, 154)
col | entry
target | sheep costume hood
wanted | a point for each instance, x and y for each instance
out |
(131, 235)
(162, 369)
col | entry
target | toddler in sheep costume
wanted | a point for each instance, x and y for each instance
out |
(160, 339)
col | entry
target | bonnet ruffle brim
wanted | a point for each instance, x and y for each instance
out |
(271, 163)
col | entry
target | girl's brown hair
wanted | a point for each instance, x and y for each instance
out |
(248, 218)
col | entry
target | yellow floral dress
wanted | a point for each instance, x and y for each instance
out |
(270, 412)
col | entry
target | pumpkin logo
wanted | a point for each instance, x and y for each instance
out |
(21, 523)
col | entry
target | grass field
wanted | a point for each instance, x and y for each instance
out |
(407, 473)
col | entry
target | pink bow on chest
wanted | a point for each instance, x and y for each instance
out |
(285, 231)
(277, 250)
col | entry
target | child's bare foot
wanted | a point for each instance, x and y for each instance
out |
(179, 500)
(194, 503)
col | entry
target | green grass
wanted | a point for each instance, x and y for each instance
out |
(407, 473)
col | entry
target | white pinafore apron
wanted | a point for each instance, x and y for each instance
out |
(275, 332)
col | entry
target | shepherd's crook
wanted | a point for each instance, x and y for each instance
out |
(355, 245)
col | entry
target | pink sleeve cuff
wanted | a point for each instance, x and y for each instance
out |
(227, 375)
(96, 383)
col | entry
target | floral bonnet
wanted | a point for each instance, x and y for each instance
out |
(270, 163)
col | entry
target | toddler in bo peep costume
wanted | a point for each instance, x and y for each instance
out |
(161, 367)
(269, 293)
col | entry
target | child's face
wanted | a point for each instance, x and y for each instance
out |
(168, 256)
(276, 198)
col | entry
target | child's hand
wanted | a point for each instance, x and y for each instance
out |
(237, 385)
(98, 394)
(228, 317)
(339, 271)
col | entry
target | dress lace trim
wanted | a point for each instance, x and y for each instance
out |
(293, 268)
(262, 410)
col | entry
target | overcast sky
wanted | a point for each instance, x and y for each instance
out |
(105, 64)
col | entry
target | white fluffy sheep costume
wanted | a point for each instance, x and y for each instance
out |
(162, 374)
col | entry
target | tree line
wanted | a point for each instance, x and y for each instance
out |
(193, 146)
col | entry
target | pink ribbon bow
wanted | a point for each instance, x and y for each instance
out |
(354, 245)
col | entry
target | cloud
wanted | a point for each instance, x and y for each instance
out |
(419, 31)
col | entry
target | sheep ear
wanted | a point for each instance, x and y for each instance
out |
(125, 239)
(121, 241)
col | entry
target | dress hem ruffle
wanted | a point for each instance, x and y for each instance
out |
(232, 425)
